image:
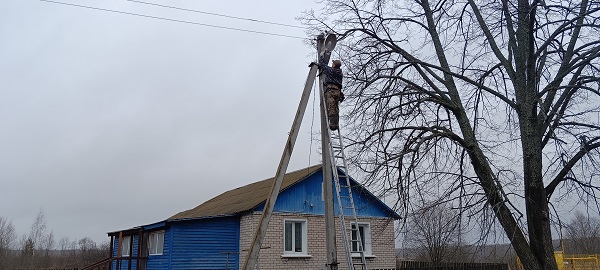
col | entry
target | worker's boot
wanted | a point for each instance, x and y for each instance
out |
(334, 121)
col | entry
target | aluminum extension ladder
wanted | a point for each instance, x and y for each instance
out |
(345, 200)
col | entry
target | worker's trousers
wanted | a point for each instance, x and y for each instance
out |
(332, 97)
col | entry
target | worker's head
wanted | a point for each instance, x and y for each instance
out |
(336, 63)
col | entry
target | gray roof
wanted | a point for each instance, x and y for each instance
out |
(244, 198)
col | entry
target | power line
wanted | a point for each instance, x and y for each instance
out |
(220, 15)
(173, 20)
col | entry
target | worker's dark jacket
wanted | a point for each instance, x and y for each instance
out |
(332, 75)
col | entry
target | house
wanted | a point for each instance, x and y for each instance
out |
(218, 233)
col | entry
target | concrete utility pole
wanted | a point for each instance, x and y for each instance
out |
(332, 263)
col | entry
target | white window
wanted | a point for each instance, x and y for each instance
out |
(126, 246)
(294, 238)
(364, 229)
(156, 241)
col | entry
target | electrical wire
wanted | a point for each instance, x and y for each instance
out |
(172, 20)
(220, 15)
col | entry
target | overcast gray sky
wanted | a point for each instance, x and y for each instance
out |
(109, 121)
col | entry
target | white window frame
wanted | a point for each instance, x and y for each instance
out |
(303, 223)
(125, 246)
(156, 243)
(366, 236)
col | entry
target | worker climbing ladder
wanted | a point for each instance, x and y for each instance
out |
(343, 188)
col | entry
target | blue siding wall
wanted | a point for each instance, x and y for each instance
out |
(204, 244)
(306, 197)
(124, 263)
(161, 262)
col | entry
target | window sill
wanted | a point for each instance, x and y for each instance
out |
(293, 256)
(368, 256)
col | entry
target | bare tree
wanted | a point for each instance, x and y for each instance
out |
(7, 241)
(494, 103)
(37, 245)
(435, 232)
(27, 252)
(37, 234)
(47, 245)
(583, 233)
(88, 250)
(66, 246)
(67, 252)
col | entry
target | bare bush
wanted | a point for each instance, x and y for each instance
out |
(583, 234)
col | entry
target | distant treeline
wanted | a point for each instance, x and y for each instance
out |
(40, 250)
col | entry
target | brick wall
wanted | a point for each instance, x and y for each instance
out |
(382, 237)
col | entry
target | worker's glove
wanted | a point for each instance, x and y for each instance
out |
(313, 64)
(342, 97)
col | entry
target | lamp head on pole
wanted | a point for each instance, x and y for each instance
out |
(330, 41)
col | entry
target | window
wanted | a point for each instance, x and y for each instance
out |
(295, 237)
(156, 241)
(364, 229)
(126, 246)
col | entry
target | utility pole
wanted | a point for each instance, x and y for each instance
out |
(332, 263)
(324, 47)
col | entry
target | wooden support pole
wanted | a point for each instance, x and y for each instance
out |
(261, 230)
